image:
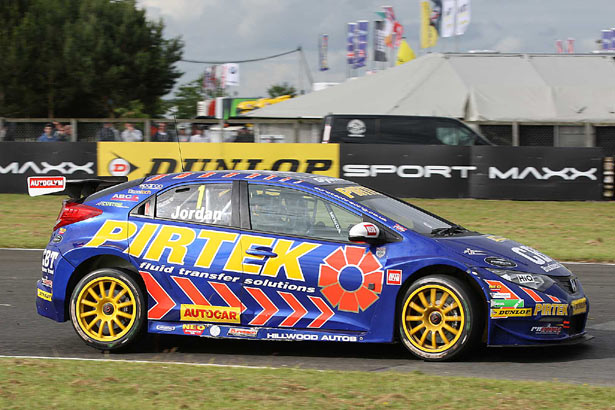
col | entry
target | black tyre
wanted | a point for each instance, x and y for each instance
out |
(439, 319)
(108, 309)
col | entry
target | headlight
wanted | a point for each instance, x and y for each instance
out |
(530, 280)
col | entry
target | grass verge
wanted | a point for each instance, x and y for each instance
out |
(28, 383)
(573, 231)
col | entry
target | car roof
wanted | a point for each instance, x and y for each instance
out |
(285, 177)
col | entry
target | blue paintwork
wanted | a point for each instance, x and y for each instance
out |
(374, 322)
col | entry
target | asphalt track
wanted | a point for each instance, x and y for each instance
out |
(24, 333)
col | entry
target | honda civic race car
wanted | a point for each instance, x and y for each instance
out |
(289, 256)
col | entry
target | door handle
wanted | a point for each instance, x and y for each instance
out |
(261, 251)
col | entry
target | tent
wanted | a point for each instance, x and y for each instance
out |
(562, 88)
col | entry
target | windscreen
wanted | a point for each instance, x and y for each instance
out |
(399, 211)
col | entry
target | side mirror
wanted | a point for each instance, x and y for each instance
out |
(364, 232)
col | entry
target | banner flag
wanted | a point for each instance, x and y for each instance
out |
(231, 74)
(210, 79)
(323, 47)
(405, 53)
(389, 25)
(361, 50)
(463, 17)
(380, 53)
(612, 46)
(447, 22)
(350, 43)
(559, 47)
(570, 45)
(429, 33)
(606, 39)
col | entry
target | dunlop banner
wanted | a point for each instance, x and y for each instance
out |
(139, 159)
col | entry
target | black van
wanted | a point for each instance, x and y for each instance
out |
(398, 129)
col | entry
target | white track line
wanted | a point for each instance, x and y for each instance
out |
(137, 361)
(21, 249)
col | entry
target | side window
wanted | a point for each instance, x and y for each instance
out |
(407, 131)
(202, 203)
(293, 212)
(454, 135)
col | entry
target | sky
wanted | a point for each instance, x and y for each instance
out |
(225, 30)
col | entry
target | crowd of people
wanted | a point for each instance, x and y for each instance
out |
(159, 132)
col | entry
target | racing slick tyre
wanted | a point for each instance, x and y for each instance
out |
(439, 319)
(108, 309)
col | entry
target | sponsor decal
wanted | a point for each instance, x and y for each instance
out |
(546, 330)
(399, 228)
(240, 332)
(150, 158)
(507, 303)
(500, 262)
(47, 282)
(500, 291)
(140, 191)
(525, 278)
(151, 186)
(356, 190)
(534, 256)
(43, 295)
(196, 214)
(65, 168)
(551, 309)
(393, 277)
(568, 173)
(351, 278)
(48, 261)
(356, 128)
(111, 204)
(579, 306)
(551, 267)
(496, 238)
(473, 252)
(381, 252)
(214, 331)
(165, 328)
(125, 197)
(204, 313)
(194, 330)
(45, 185)
(498, 313)
(313, 337)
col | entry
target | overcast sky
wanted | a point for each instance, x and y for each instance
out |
(244, 29)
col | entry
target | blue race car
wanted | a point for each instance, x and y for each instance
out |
(289, 256)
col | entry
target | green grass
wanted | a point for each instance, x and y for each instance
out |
(572, 231)
(28, 383)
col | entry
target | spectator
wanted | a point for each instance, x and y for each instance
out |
(48, 135)
(107, 133)
(182, 136)
(200, 135)
(68, 132)
(131, 134)
(244, 135)
(162, 135)
(60, 131)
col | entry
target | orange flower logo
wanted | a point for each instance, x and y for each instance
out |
(351, 279)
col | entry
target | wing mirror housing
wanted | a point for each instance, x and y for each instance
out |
(364, 232)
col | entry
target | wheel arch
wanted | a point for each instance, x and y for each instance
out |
(98, 262)
(443, 269)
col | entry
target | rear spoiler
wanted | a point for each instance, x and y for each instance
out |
(74, 188)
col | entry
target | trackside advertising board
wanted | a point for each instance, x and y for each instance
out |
(20, 160)
(525, 173)
(139, 159)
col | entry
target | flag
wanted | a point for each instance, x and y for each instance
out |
(389, 25)
(350, 43)
(612, 46)
(429, 22)
(463, 17)
(399, 33)
(558, 46)
(447, 22)
(570, 45)
(405, 53)
(231, 74)
(323, 46)
(210, 80)
(379, 45)
(606, 39)
(361, 49)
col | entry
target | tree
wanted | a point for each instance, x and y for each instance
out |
(281, 89)
(83, 58)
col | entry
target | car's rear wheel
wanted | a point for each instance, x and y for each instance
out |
(107, 309)
(439, 318)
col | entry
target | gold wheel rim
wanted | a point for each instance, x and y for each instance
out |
(433, 318)
(106, 309)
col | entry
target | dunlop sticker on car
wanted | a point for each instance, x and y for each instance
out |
(510, 312)
(579, 306)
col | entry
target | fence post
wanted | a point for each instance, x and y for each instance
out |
(73, 125)
(146, 132)
(515, 134)
(589, 135)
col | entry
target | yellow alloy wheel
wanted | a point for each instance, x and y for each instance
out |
(433, 318)
(106, 309)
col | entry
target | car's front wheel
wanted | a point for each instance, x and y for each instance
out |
(108, 309)
(439, 318)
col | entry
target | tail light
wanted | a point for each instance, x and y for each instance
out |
(72, 212)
